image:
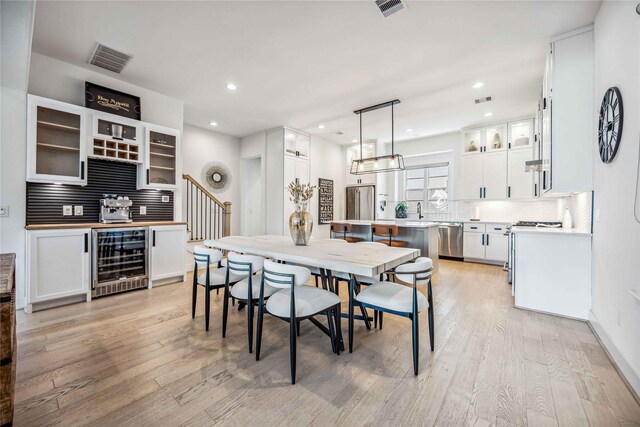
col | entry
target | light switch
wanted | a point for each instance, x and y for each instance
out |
(143, 210)
(4, 210)
(67, 210)
(78, 210)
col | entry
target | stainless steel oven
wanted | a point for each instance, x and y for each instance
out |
(120, 260)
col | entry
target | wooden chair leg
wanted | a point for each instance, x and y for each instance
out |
(292, 349)
(207, 308)
(415, 339)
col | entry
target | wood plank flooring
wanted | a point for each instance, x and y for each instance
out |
(139, 359)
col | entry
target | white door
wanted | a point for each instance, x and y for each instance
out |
(167, 251)
(520, 183)
(497, 247)
(494, 177)
(473, 245)
(471, 167)
(58, 264)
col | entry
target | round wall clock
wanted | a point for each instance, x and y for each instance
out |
(610, 124)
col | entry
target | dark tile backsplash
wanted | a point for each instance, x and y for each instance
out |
(45, 201)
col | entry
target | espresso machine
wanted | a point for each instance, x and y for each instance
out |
(115, 209)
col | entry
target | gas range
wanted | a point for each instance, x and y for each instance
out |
(548, 224)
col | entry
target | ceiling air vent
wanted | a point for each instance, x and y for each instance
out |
(481, 100)
(109, 59)
(339, 133)
(389, 7)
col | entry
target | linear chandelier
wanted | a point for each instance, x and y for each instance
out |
(387, 163)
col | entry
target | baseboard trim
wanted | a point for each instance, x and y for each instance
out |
(629, 376)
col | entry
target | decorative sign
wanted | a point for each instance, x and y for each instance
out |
(111, 101)
(325, 201)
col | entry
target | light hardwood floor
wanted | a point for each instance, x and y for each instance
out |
(139, 359)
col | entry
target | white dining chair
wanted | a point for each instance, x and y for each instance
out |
(246, 290)
(214, 277)
(401, 300)
(295, 302)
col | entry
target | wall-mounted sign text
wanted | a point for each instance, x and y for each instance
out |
(112, 101)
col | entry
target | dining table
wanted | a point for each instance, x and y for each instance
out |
(327, 256)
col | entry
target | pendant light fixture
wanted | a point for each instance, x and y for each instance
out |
(387, 163)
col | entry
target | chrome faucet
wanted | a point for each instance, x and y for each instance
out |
(420, 216)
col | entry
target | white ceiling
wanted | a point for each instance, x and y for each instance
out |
(306, 63)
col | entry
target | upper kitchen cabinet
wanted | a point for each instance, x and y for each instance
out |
(161, 150)
(521, 134)
(56, 135)
(567, 118)
(115, 138)
(296, 144)
(473, 141)
(495, 138)
(484, 176)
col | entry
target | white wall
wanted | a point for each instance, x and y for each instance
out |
(616, 238)
(17, 24)
(326, 162)
(201, 146)
(251, 147)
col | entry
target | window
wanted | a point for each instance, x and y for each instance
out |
(429, 186)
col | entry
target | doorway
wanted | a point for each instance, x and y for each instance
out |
(252, 207)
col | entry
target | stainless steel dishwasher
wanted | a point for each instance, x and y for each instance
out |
(450, 241)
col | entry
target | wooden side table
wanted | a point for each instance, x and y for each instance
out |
(8, 341)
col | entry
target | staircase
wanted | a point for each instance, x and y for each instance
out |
(207, 217)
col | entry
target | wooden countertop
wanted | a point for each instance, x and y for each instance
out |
(101, 225)
(7, 267)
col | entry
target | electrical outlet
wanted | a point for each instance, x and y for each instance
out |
(143, 210)
(67, 210)
(165, 199)
(78, 210)
(4, 210)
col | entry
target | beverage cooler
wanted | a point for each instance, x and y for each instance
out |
(120, 260)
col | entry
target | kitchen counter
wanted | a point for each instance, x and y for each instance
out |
(399, 223)
(549, 230)
(101, 225)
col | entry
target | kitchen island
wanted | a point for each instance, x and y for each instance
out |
(421, 235)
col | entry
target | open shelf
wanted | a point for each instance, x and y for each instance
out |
(162, 168)
(112, 150)
(153, 153)
(58, 147)
(157, 144)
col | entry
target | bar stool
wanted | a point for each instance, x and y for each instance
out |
(213, 278)
(401, 300)
(246, 290)
(342, 229)
(388, 231)
(295, 302)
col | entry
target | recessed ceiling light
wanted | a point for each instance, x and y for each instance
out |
(354, 140)
(320, 126)
(213, 124)
(231, 86)
(477, 85)
(489, 114)
(409, 130)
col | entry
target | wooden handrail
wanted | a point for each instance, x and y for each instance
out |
(204, 190)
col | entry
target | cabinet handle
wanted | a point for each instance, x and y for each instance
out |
(487, 240)
(509, 145)
(147, 176)
(544, 180)
(481, 192)
(535, 190)
(86, 243)
(509, 192)
(82, 169)
(544, 103)
(482, 239)
(474, 228)
(153, 233)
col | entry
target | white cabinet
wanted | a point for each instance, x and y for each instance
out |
(167, 251)
(161, 158)
(485, 242)
(58, 264)
(567, 149)
(115, 138)
(56, 142)
(296, 143)
(520, 183)
(484, 176)
(296, 168)
(521, 134)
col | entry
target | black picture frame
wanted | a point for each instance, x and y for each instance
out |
(325, 201)
(112, 101)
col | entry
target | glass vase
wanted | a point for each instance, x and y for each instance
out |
(301, 225)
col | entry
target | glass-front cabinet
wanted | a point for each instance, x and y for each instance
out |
(521, 134)
(56, 135)
(473, 141)
(160, 169)
(495, 138)
(296, 144)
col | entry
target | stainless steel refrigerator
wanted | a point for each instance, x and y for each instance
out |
(361, 202)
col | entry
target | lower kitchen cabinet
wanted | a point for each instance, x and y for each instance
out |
(167, 251)
(485, 242)
(58, 265)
